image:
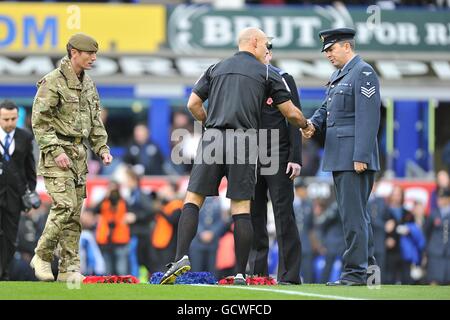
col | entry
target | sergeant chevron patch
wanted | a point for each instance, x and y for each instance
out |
(368, 92)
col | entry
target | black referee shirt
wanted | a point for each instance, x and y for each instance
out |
(237, 89)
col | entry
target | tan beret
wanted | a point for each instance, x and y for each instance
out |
(83, 42)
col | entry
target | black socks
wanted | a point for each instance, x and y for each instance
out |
(187, 229)
(243, 237)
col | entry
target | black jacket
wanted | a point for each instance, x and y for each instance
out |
(289, 135)
(148, 155)
(18, 172)
(141, 205)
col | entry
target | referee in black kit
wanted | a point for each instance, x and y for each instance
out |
(281, 189)
(236, 89)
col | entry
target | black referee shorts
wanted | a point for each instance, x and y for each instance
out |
(220, 155)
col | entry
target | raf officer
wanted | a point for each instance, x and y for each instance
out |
(349, 117)
(66, 114)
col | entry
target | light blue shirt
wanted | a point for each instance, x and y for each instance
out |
(340, 70)
(12, 145)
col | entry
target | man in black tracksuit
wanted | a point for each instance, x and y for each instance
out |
(281, 189)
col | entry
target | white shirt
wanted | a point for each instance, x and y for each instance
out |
(12, 145)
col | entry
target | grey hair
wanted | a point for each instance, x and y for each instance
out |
(351, 42)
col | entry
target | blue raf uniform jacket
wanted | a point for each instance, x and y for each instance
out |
(349, 118)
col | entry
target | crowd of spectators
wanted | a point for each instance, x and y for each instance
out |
(131, 231)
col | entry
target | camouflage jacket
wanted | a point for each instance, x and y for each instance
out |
(66, 108)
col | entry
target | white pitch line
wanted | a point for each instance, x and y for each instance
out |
(295, 293)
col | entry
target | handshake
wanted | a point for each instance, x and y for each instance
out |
(308, 132)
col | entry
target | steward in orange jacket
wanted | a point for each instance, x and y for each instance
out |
(164, 234)
(111, 227)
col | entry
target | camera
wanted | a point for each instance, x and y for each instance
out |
(30, 200)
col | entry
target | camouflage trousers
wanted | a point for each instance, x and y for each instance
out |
(63, 223)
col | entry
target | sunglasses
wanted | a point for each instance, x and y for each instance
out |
(269, 46)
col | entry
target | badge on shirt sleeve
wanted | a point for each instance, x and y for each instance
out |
(368, 92)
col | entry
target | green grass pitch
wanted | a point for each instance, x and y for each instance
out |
(61, 291)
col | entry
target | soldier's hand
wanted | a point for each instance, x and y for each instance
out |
(360, 166)
(63, 161)
(295, 167)
(107, 158)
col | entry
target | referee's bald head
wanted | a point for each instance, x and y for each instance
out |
(249, 34)
(255, 41)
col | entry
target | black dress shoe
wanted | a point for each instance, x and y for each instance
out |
(343, 282)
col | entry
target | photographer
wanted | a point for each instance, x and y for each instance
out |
(113, 231)
(17, 172)
(168, 205)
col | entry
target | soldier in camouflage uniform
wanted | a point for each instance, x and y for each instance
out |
(66, 114)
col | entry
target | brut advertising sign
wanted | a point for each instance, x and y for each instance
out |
(194, 29)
